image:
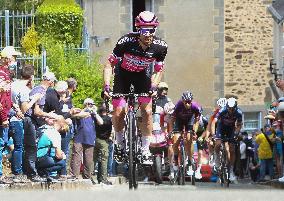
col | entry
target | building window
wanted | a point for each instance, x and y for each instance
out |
(251, 121)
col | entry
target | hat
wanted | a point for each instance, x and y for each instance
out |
(89, 101)
(61, 86)
(49, 76)
(9, 52)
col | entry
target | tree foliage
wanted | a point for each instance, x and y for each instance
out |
(70, 62)
(61, 20)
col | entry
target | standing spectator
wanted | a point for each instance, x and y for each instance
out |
(264, 154)
(67, 105)
(53, 102)
(278, 152)
(103, 134)
(84, 141)
(34, 118)
(21, 103)
(243, 159)
(7, 58)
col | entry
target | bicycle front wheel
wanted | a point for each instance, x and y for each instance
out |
(182, 166)
(132, 163)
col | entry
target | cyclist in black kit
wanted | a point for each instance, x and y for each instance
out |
(137, 59)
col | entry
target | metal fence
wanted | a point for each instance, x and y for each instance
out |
(13, 26)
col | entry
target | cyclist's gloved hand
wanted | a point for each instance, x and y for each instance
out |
(105, 92)
(153, 90)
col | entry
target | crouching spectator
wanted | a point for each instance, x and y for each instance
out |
(101, 151)
(50, 157)
(84, 141)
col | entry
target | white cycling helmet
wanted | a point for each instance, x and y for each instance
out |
(169, 107)
(222, 102)
(231, 103)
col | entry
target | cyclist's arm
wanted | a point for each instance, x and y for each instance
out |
(107, 73)
(171, 123)
(156, 78)
(213, 124)
(238, 126)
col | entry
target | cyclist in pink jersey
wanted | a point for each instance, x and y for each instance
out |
(138, 60)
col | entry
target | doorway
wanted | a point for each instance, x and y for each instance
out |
(139, 6)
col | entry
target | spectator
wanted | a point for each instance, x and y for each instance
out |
(20, 96)
(264, 154)
(53, 102)
(7, 58)
(278, 152)
(103, 134)
(67, 105)
(243, 159)
(34, 118)
(50, 157)
(84, 141)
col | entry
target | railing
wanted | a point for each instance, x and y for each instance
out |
(13, 26)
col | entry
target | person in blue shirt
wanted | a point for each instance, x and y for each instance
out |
(84, 141)
(50, 157)
(229, 122)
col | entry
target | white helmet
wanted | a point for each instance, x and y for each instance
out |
(222, 102)
(232, 103)
(169, 107)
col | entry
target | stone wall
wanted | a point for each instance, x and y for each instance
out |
(248, 48)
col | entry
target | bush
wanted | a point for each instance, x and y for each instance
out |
(61, 20)
(67, 63)
(30, 42)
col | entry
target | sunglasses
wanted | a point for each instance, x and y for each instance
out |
(189, 102)
(147, 31)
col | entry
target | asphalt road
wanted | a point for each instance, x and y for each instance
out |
(147, 192)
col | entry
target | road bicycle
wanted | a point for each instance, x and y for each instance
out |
(180, 176)
(132, 148)
(224, 165)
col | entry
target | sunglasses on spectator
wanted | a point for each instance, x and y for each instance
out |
(147, 31)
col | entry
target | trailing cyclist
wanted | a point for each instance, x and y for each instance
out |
(229, 122)
(221, 103)
(162, 102)
(184, 121)
(131, 61)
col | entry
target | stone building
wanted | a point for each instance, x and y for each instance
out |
(217, 48)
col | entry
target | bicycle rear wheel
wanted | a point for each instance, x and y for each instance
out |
(132, 163)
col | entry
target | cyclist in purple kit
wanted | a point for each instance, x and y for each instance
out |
(185, 120)
(229, 122)
(131, 61)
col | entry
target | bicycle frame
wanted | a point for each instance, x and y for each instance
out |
(131, 136)
(225, 167)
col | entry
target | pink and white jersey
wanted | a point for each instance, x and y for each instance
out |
(133, 58)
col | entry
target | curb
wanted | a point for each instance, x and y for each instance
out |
(80, 183)
(273, 183)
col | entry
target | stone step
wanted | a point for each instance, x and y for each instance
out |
(71, 184)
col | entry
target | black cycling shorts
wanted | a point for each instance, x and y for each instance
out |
(123, 79)
(181, 125)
